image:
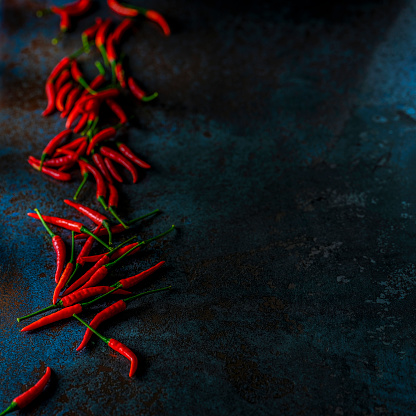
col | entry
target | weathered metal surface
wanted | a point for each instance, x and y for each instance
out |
(282, 147)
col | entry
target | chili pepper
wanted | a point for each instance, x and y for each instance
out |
(134, 280)
(88, 292)
(119, 158)
(112, 169)
(89, 33)
(62, 94)
(120, 75)
(100, 39)
(62, 64)
(117, 110)
(81, 123)
(100, 96)
(115, 6)
(61, 176)
(116, 346)
(121, 29)
(138, 92)
(113, 203)
(95, 216)
(75, 155)
(28, 396)
(77, 8)
(50, 94)
(101, 186)
(76, 111)
(159, 19)
(119, 228)
(54, 317)
(64, 15)
(111, 56)
(127, 152)
(66, 273)
(100, 67)
(72, 145)
(73, 96)
(105, 134)
(77, 75)
(62, 79)
(99, 162)
(69, 225)
(55, 162)
(53, 144)
(92, 259)
(58, 245)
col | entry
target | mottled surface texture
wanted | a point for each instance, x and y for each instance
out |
(283, 146)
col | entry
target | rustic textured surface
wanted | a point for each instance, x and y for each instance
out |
(283, 147)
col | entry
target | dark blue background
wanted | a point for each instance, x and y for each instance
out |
(283, 147)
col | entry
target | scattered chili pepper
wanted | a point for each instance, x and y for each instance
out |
(62, 64)
(134, 280)
(78, 77)
(101, 191)
(88, 292)
(113, 203)
(105, 134)
(119, 158)
(156, 17)
(121, 29)
(50, 94)
(62, 79)
(127, 152)
(138, 92)
(111, 55)
(100, 38)
(122, 10)
(113, 170)
(54, 144)
(81, 123)
(117, 110)
(28, 396)
(65, 20)
(61, 176)
(73, 96)
(121, 78)
(100, 96)
(78, 7)
(72, 145)
(62, 94)
(89, 33)
(99, 162)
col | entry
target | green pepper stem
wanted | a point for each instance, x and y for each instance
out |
(104, 54)
(37, 312)
(42, 159)
(148, 98)
(44, 223)
(108, 265)
(100, 67)
(113, 72)
(87, 231)
(114, 214)
(85, 42)
(13, 406)
(81, 185)
(104, 339)
(142, 217)
(106, 225)
(73, 273)
(101, 200)
(99, 297)
(146, 293)
(158, 236)
(81, 51)
(84, 83)
(122, 244)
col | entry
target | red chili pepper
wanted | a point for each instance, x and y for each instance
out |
(101, 191)
(119, 158)
(63, 77)
(96, 82)
(123, 250)
(100, 96)
(92, 259)
(117, 110)
(54, 317)
(85, 251)
(126, 352)
(121, 29)
(110, 49)
(76, 111)
(113, 203)
(78, 8)
(61, 176)
(50, 94)
(28, 396)
(120, 75)
(62, 64)
(102, 316)
(99, 162)
(54, 143)
(159, 19)
(62, 94)
(55, 162)
(65, 20)
(113, 170)
(115, 6)
(127, 152)
(58, 245)
(100, 38)
(134, 280)
(105, 134)
(93, 215)
(138, 92)
(89, 33)
(73, 96)
(89, 292)
(81, 123)
(72, 145)
(78, 77)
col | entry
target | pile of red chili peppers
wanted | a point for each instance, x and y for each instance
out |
(91, 146)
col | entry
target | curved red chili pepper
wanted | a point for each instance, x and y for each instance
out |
(113, 170)
(72, 145)
(101, 33)
(89, 292)
(54, 317)
(100, 96)
(73, 96)
(113, 197)
(138, 92)
(99, 162)
(63, 77)
(76, 111)
(81, 123)
(115, 6)
(78, 77)
(115, 230)
(78, 8)
(60, 222)
(134, 280)
(56, 162)
(105, 134)
(102, 316)
(55, 142)
(62, 64)
(127, 152)
(120, 75)
(62, 281)
(62, 94)
(85, 251)
(117, 110)
(127, 352)
(64, 15)
(60, 249)
(110, 49)
(119, 158)
(50, 95)
(159, 19)
(93, 259)
(101, 186)
(121, 29)
(89, 33)
(61, 176)
(123, 250)
(96, 278)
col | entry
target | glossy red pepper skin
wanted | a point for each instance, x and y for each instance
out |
(101, 191)
(55, 162)
(100, 37)
(96, 278)
(56, 142)
(156, 17)
(62, 64)
(128, 153)
(29, 395)
(93, 259)
(121, 29)
(120, 252)
(135, 89)
(119, 158)
(121, 78)
(117, 110)
(50, 95)
(99, 162)
(72, 98)
(60, 222)
(72, 145)
(113, 197)
(102, 316)
(100, 96)
(62, 281)
(65, 19)
(126, 352)
(81, 123)
(86, 248)
(103, 135)
(54, 317)
(60, 250)
(88, 212)
(62, 94)
(134, 280)
(62, 79)
(116, 7)
(115, 230)
(110, 49)
(91, 31)
(88, 292)
(61, 176)
(78, 8)
(113, 170)
(73, 115)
